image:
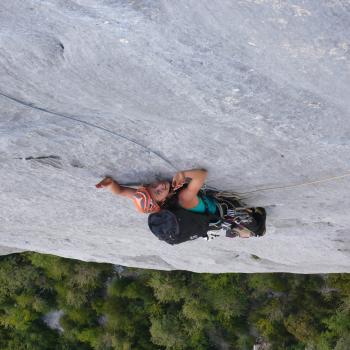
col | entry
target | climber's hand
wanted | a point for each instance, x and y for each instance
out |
(107, 181)
(178, 180)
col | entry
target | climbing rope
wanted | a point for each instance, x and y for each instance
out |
(297, 185)
(33, 106)
(241, 194)
(218, 192)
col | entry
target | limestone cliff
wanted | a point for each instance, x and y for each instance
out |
(255, 91)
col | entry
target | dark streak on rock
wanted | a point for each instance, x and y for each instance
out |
(76, 164)
(42, 157)
(255, 257)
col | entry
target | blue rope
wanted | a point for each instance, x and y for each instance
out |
(32, 105)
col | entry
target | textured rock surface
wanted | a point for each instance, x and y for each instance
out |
(257, 92)
(52, 319)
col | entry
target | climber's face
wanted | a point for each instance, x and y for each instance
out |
(159, 190)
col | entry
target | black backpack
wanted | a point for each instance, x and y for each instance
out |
(174, 224)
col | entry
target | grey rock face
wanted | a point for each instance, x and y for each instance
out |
(52, 319)
(256, 91)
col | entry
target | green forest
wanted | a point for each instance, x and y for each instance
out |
(137, 309)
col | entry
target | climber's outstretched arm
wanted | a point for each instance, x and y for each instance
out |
(122, 190)
(115, 188)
